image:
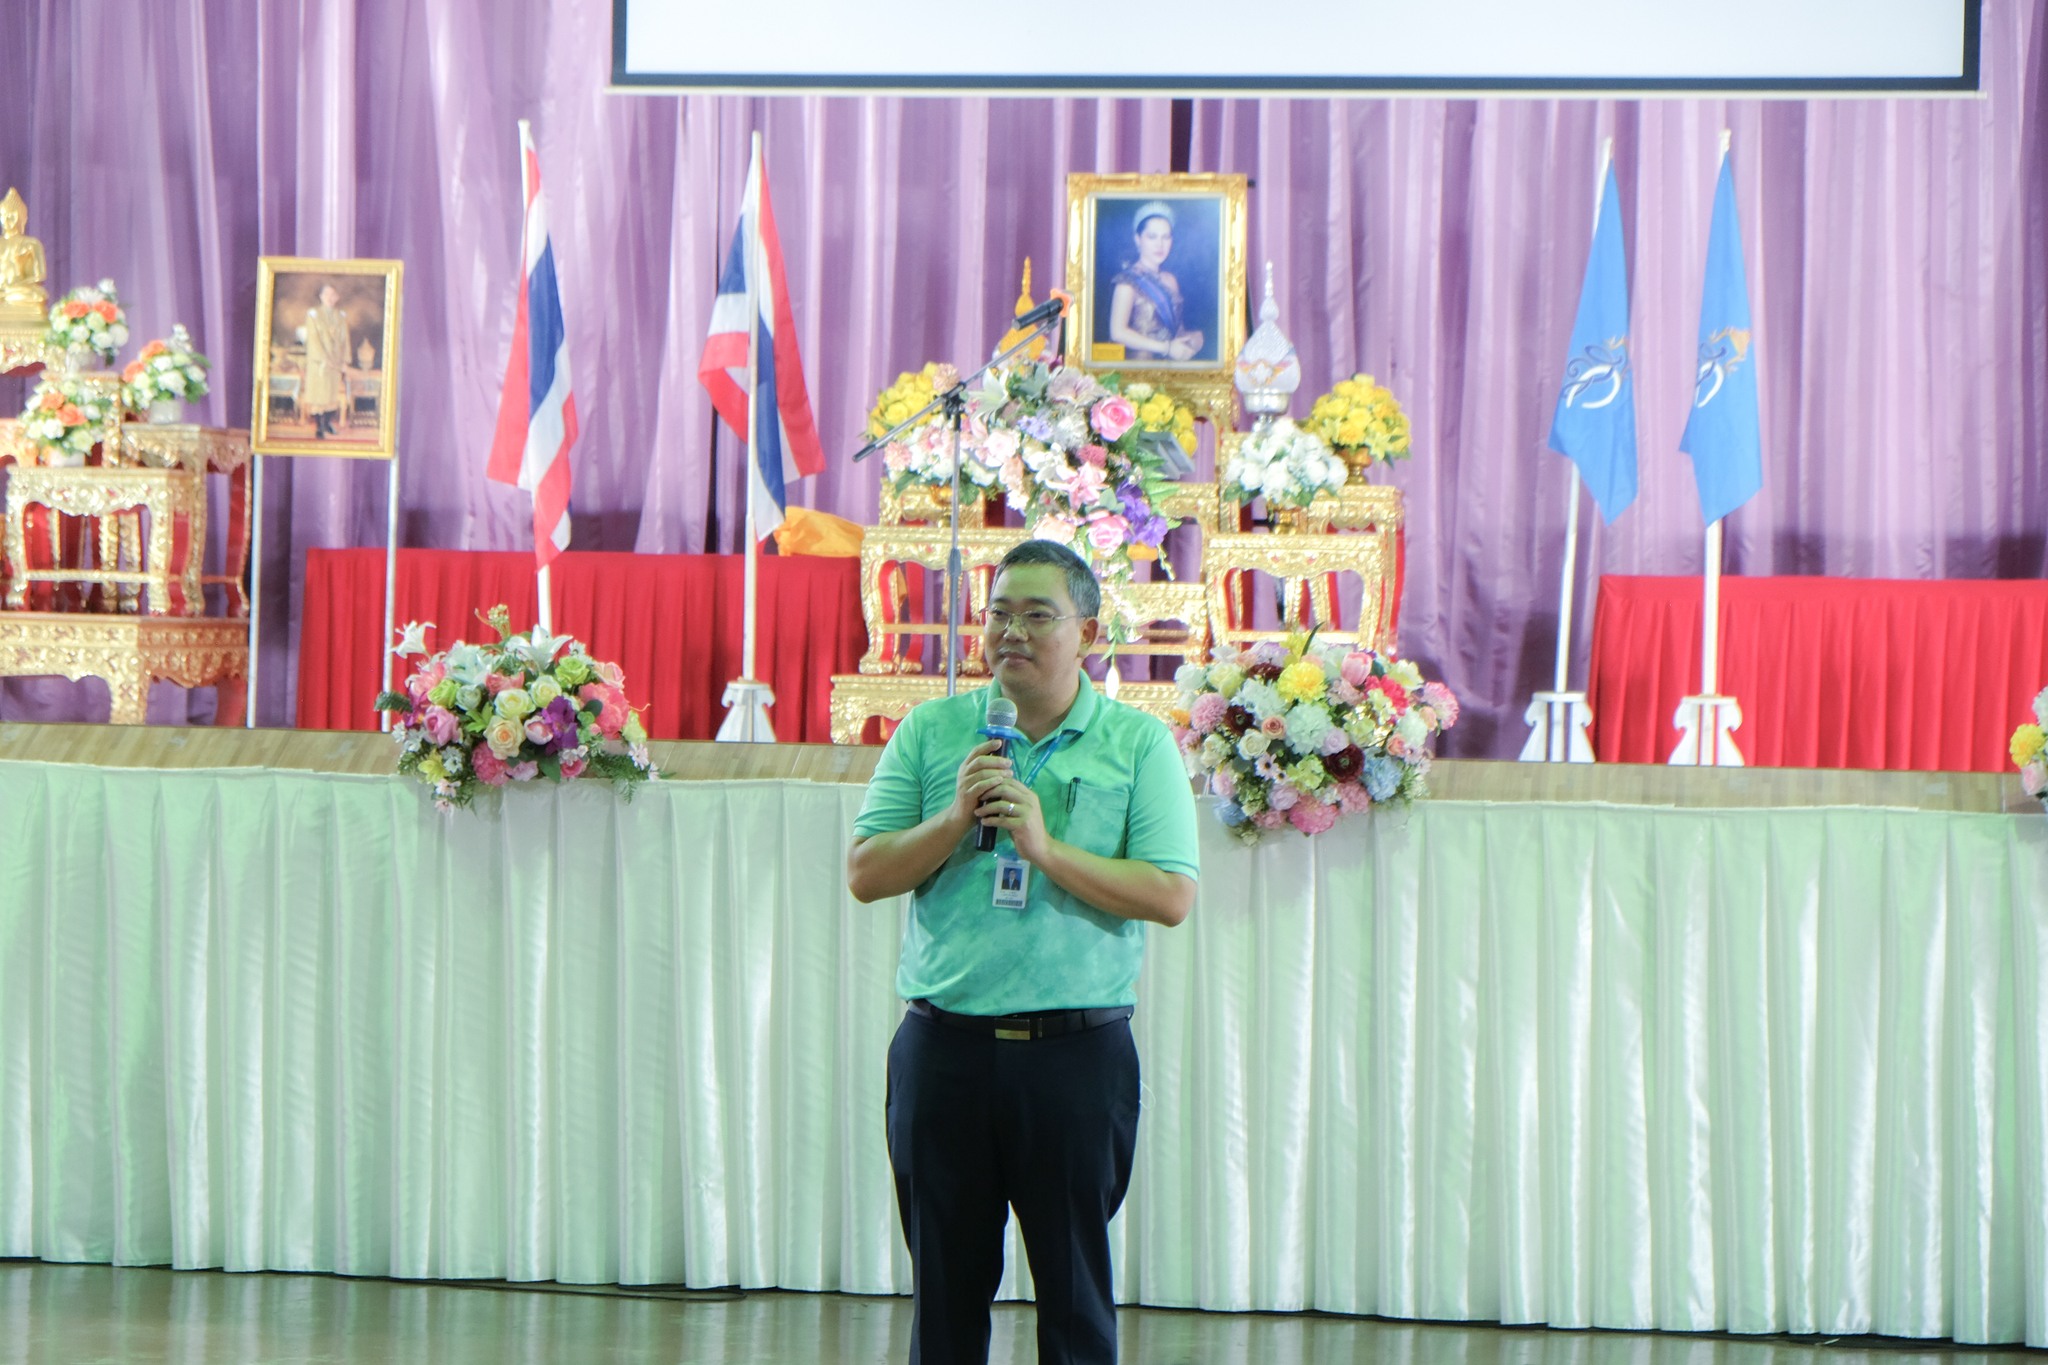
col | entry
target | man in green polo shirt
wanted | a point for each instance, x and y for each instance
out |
(1013, 1080)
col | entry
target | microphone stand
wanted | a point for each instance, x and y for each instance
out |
(954, 403)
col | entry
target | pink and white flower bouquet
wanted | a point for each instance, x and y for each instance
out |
(531, 706)
(1083, 458)
(168, 370)
(65, 418)
(89, 318)
(1299, 734)
(2030, 750)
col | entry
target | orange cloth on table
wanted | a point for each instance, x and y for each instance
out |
(804, 532)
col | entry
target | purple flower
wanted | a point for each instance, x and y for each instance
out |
(560, 715)
(1146, 526)
(1036, 427)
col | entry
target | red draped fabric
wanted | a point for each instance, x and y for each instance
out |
(672, 622)
(1830, 672)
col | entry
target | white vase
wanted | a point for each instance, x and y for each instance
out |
(167, 410)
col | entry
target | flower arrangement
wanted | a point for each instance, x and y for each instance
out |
(168, 370)
(530, 706)
(2030, 750)
(1297, 734)
(1362, 419)
(1076, 461)
(1160, 411)
(89, 318)
(1285, 464)
(1072, 452)
(911, 392)
(66, 417)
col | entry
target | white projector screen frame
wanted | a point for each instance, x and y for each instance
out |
(1361, 47)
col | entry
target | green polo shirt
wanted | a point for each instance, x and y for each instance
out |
(1112, 782)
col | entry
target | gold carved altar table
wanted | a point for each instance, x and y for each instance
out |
(1357, 532)
(137, 609)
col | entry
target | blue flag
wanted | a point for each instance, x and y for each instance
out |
(1595, 423)
(1723, 435)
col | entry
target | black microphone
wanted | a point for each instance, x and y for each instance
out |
(1045, 312)
(1002, 714)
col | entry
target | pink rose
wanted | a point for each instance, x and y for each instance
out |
(1223, 783)
(439, 723)
(488, 767)
(2034, 777)
(523, 772)
(1345, 693)
(1357, 668)
(1273, 727)
(1284, 796)
(612, 675)
(608, 695)
(503, 682)
(1205, 715)
(1113, 416)
(572, 768)
(1270, 819)
(1336, 742)
(539, 731)
(1312, 817)
(1095, 455)
(1106, 533)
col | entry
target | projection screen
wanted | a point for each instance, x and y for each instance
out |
(1357, 47)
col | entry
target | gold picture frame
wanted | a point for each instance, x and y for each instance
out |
(1190, 302)
(326, 371)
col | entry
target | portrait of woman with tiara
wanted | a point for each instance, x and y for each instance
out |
(1147, 315)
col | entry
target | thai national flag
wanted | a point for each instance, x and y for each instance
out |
(536, 411)
(786, 442)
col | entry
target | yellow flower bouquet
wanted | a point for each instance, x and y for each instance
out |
(2030, 750)
(1362, 420)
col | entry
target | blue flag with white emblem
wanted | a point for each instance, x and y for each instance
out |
(1595, 422)
(1723, 434)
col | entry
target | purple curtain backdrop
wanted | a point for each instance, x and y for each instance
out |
(1898, 256)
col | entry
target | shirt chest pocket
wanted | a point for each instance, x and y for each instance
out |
(1096, 821)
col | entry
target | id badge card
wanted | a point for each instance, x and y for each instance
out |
(1013, 882)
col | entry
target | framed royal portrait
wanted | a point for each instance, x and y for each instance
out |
(326, 372)
(1156, 265)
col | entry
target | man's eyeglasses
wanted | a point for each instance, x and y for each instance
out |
(1036, 621)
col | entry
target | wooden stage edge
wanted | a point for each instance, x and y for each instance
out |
(367, 754)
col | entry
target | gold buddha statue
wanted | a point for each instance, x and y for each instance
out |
(22, 269)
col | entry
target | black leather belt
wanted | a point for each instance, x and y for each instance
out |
(1023, 1028)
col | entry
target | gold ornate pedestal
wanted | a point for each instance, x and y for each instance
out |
(129, 652)
(160, 470)
(1172, 619)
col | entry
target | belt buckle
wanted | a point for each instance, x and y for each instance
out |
(1014, 1035)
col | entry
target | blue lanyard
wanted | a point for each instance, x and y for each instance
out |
(1015, 735)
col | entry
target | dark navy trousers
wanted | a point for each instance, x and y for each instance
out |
(978, 1126)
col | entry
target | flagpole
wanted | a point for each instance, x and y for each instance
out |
(1567, 593)
(544, 613)
(1704, 720)
(746, 698)
(1559, 717)
(1710, 606)
(755, 269)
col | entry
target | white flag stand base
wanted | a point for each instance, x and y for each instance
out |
(746, 716)
(1704, 739)
(1557, 728)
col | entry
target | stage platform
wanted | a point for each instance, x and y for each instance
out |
(1633, 1048)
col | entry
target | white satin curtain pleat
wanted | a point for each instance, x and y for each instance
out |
(1570, 1064)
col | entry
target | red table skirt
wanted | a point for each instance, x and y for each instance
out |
(1830, 672)
(672, 622)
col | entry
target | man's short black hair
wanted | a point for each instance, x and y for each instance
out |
(1081, 584)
